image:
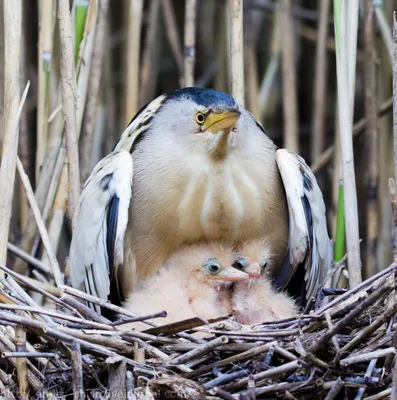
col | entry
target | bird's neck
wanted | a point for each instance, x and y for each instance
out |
(218, 146)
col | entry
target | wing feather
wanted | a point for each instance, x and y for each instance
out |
(97, 243)
(309, 243)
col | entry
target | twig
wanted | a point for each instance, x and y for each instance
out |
(189, 42)
(335, 389)
(29, 259)
(26, 354)
(368, 330)
(117, 377)
(375, 296)
(368, 373)
(68, 91)
(199, 351)
(40, 224)
(236, 51)
(270, 373)
(222, 394)
(77, 368)
(362, 285)
(367, 356)
(22, 370)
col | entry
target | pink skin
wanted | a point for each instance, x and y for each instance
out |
(254, 270)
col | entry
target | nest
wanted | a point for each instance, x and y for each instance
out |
(343, 349)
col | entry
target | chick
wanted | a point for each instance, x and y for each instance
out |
(255, 300)
(194, 282)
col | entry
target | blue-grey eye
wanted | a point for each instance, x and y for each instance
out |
(241, 263)
(212, 266)
(263, 264)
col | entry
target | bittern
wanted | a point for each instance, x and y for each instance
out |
(255, 300)
(194, 282)
(192, 166)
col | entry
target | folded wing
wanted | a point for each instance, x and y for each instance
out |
(309, 243)
(101, 221)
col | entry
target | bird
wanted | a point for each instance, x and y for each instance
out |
(194, 282)
(202, 169)
(255, 301)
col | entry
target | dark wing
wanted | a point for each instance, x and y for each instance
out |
(101, 221)
(309, 243)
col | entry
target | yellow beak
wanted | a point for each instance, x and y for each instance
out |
(219, 121)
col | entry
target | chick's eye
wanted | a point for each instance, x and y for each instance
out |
(263, 264)
(212, 266)
(200, 118)
(241, 263)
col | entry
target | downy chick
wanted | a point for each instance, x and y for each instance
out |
(194, 282)
(255, 300)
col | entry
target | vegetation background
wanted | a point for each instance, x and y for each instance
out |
(125, 53)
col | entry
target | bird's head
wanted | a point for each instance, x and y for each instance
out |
(215, 271)
(254, 258)
(200, 117)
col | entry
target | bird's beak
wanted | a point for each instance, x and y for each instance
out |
(254, 270)
(230, 274)
(221, 120)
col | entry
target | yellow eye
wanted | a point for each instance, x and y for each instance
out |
(200, 118)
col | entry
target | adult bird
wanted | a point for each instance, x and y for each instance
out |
(194, 165)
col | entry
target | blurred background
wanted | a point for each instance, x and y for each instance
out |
(128, 52)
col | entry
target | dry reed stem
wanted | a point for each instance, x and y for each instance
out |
(320, 83)
(358, 129)
(11, 116)
(189, 43)
(22, 369)
(77, 368)
(117, 377)
(270, 75)
(372, 141)
(290, 105)
(345, 96)
(68, 91)
(133, 44)
(172, 33)
(40, 224)
(88, 128)
(236, 50)
(83, 65)
(149, 66)
(395, 94)
(46, 11)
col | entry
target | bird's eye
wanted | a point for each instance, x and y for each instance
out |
(212, 266)
(263, 264)
(241, 263)
(200, 118)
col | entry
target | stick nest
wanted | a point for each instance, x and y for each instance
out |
(343, 349)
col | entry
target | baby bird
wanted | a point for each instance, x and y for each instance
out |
(255, 300)
(194, 282)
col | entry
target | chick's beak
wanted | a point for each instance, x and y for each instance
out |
(254, 270)
(230, 274)
(217, 121)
